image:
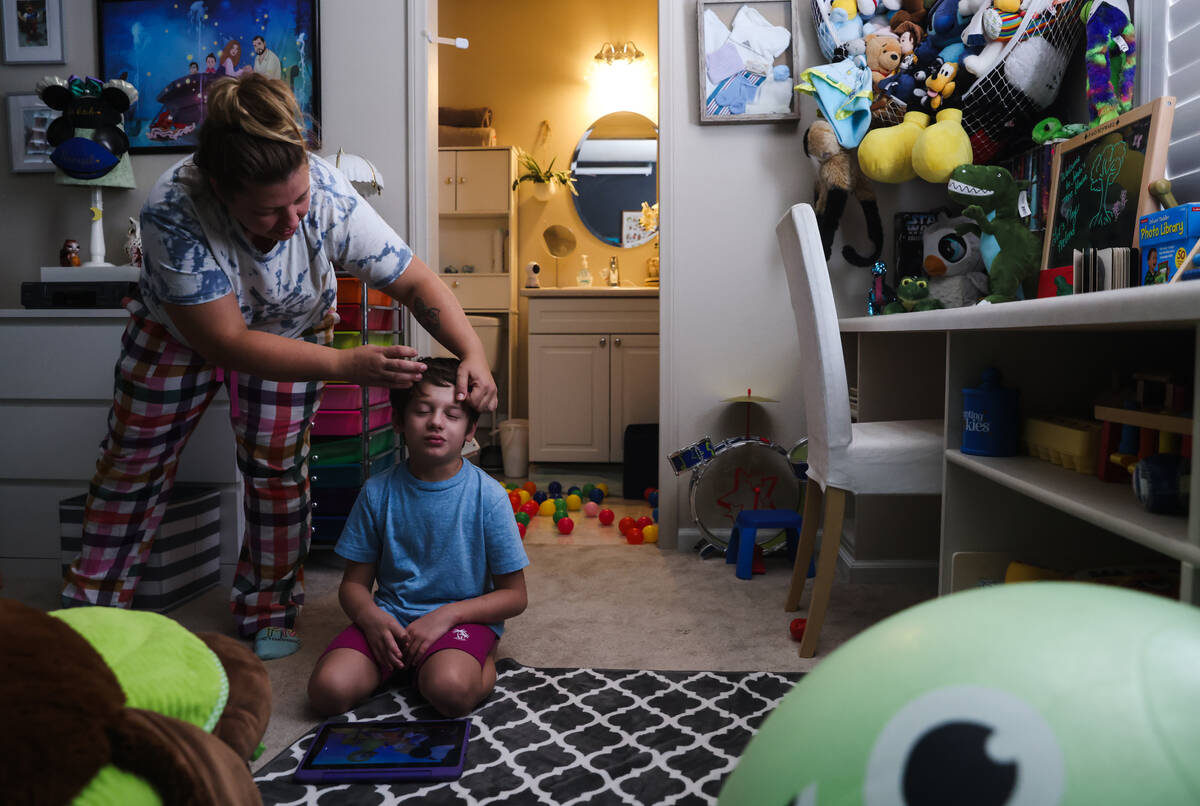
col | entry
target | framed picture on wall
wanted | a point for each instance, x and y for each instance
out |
(173, 53)
(32, 31)
(748, 60)
(632, 232)
(28, 119)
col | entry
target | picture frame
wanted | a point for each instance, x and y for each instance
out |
(632, 232)
(32, 31)
(28, 119)
(192, 45)
(1083, 192)
(738, 74)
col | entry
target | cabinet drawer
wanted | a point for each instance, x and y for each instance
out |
(574, 315)
(480, 291)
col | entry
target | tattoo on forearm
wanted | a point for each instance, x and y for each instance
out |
(429, 318)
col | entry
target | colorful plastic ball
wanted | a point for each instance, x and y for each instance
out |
(521, 529)
(529, 487)
(573, 502)
(587, 489)
(625, 524)
(522, 517)
(635, 536)
(510, 486)
(524, 495)
(540, 496)
(596, 495)
(606, 517)
(565, 525)
(644, 521)
(591, 508)
(574, 488)
(530, 508)
(647, 492)
(650, 533)
(515, 501)
(603, 486)
(546, 508)
(654, 514)
(796, 628)
(653, 499)
(554, 488)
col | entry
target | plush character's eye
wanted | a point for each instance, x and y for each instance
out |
(966, 744)
(952, 248)
(906, 281)
(922, 284)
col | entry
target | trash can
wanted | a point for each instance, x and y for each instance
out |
(514, 445)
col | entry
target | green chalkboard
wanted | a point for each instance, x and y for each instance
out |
(1100, 182)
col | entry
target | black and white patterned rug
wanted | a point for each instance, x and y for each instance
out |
(563, 736)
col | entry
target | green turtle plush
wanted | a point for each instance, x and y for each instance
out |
(109, 706)
(913, 295)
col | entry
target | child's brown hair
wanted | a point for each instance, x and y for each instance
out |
(438, 372)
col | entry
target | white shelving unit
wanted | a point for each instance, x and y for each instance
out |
(1060, 353)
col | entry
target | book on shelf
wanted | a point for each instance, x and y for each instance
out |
(1105, 269)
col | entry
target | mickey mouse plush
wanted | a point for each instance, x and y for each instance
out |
(87, 138)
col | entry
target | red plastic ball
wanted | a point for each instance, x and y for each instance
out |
(626, 524)
(796, 628)
(606, 517)
(529, 487)
(565, 525)
(644, 521)
(530, 507)
(646, 492)
(515, 500)
(521, 529)
(634, 535)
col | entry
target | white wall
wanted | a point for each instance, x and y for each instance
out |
(363, 110)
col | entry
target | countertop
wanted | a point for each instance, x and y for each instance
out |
(595, 291)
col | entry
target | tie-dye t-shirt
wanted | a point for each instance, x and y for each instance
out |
(195, 252)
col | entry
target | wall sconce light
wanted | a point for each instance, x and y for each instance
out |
(609, 52)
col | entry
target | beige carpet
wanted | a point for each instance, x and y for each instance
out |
(594, 601)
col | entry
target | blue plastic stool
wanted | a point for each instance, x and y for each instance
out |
(745, 529)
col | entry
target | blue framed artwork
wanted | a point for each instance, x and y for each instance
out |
(172, 51)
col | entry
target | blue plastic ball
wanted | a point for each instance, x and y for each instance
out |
(596, 495)
(540, 496)
(554, 488)
(573, 489)
(653, 499)
(654, 514)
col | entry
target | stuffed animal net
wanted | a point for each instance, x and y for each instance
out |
(1002, 65)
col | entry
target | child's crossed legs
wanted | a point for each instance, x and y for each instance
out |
(453, 681)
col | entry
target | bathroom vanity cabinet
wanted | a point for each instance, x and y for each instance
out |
(593, 370)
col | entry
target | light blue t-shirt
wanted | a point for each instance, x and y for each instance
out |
(195, 252)
(432, 542)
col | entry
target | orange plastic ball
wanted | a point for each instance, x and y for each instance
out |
(625, 524)
(515, 500)
(634, 535)
(529, 487)
(606, 517)
(565, 525)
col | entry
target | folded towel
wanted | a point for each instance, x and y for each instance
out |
(724, 62)
(467, 118)
(466, 136)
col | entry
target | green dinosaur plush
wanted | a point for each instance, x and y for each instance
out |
(1011, 253)
(913, 295)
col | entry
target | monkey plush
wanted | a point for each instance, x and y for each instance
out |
(838, 176)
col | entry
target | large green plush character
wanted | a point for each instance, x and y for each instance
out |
(1029, 694)
(1011, 253)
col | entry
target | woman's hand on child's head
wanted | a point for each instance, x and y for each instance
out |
(375, 365)
(476, 385)
(425, 630)
(385, 636)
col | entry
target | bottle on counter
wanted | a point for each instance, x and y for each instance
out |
(584, 278)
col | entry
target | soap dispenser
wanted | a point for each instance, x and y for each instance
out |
(584, 279)
(614, 275)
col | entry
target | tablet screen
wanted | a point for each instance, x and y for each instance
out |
(392, 745)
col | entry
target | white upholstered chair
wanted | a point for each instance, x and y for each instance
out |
(902, 457)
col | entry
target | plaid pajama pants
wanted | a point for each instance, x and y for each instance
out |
(161, 389)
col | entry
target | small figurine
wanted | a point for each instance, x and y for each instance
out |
(880, 293)
(133, 242)
(69, 254)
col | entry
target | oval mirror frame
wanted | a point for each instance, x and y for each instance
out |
(615, 166)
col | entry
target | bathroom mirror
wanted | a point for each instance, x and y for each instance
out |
(615, 167)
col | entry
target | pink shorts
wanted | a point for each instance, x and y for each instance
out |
(476, 640)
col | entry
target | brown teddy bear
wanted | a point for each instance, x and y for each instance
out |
(838, 176)
(102, 705)
(910, 11)
(883, 56)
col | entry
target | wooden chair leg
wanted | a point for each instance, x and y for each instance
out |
(813, 495)
(831, 541)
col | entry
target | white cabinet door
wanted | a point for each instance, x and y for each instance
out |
(633, 378)
(569, 398)
(484, 184)
(447, 181)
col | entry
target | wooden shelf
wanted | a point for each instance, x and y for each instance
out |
(1110, 506)
(1173, 423)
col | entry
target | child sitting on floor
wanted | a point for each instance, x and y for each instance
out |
(438, 535)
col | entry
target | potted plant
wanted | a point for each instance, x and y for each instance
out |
(544, 180)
